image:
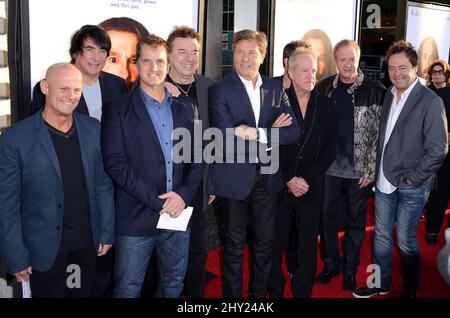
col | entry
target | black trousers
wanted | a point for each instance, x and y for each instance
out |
(354, 220)
(438, 199)
(307, 216)
(53, 283)
(196, 269)
(258, 209)
(104, 276)
(285, 241)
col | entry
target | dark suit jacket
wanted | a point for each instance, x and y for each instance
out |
(202, 84)
(315, 150)
(111, 86)
(135, 161)
(418, 143)
(32, 197)
(229, 106)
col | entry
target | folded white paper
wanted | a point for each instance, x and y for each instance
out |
(179, 223)
(26, 290)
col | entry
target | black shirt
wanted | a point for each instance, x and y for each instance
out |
(344, 164)
(187, 90)
(76, 229)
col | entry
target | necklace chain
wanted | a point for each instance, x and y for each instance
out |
(184, 92)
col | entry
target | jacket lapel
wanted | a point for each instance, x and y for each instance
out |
(202, 99)
(144, 117)
(242, 96)
(411, 102)
(385, 115)
(84, 141)
(82, 106)
(266, 102)
(103, 89)
(47, 145)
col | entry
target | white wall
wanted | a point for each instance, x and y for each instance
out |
(245, 15)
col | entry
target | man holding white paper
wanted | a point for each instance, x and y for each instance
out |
(137, 147)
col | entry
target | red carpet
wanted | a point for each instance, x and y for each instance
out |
(432, 285)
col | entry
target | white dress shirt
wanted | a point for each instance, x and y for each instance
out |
(254, 94)
(396, 108)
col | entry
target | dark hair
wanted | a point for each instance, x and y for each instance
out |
(444, 66)
(182, 32)
(292, 46)
(259, 37)
(125, 24)
(151, 40)
(93, 32)
(403, 47)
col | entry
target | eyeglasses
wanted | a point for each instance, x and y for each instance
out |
(437, 72)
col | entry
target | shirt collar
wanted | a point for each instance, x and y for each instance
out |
(250, 83)
(406, 93)
(147, 98)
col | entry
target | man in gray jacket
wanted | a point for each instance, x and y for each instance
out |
(412, 147)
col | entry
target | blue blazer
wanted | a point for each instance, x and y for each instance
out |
(32, 197)
(111, 86)
(135, 162)
(229, 106)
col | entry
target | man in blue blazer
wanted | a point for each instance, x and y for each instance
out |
(245, 107)
(56, 201)
(137, 146)
(89, 49)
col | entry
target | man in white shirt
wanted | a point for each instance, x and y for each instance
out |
(413, 144)
(248, 108)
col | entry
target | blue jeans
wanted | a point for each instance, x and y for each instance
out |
(404, 208)
(133, 255)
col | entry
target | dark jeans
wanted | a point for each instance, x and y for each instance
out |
(403, 208)
(354, 220)
(259, 209)
(196, 270)
(132, 257)
(53, 283)
(438, 200)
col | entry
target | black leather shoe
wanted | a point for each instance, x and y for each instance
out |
(408, 293)
(431, 239)
(349, 282)
(326, 275)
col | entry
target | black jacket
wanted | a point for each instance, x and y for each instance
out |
(111, 86)
(315, 148)
(367, 101)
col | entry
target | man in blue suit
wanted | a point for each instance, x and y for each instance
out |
(89, 49)
(246, 106)
(137, 146)
(56, 201)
